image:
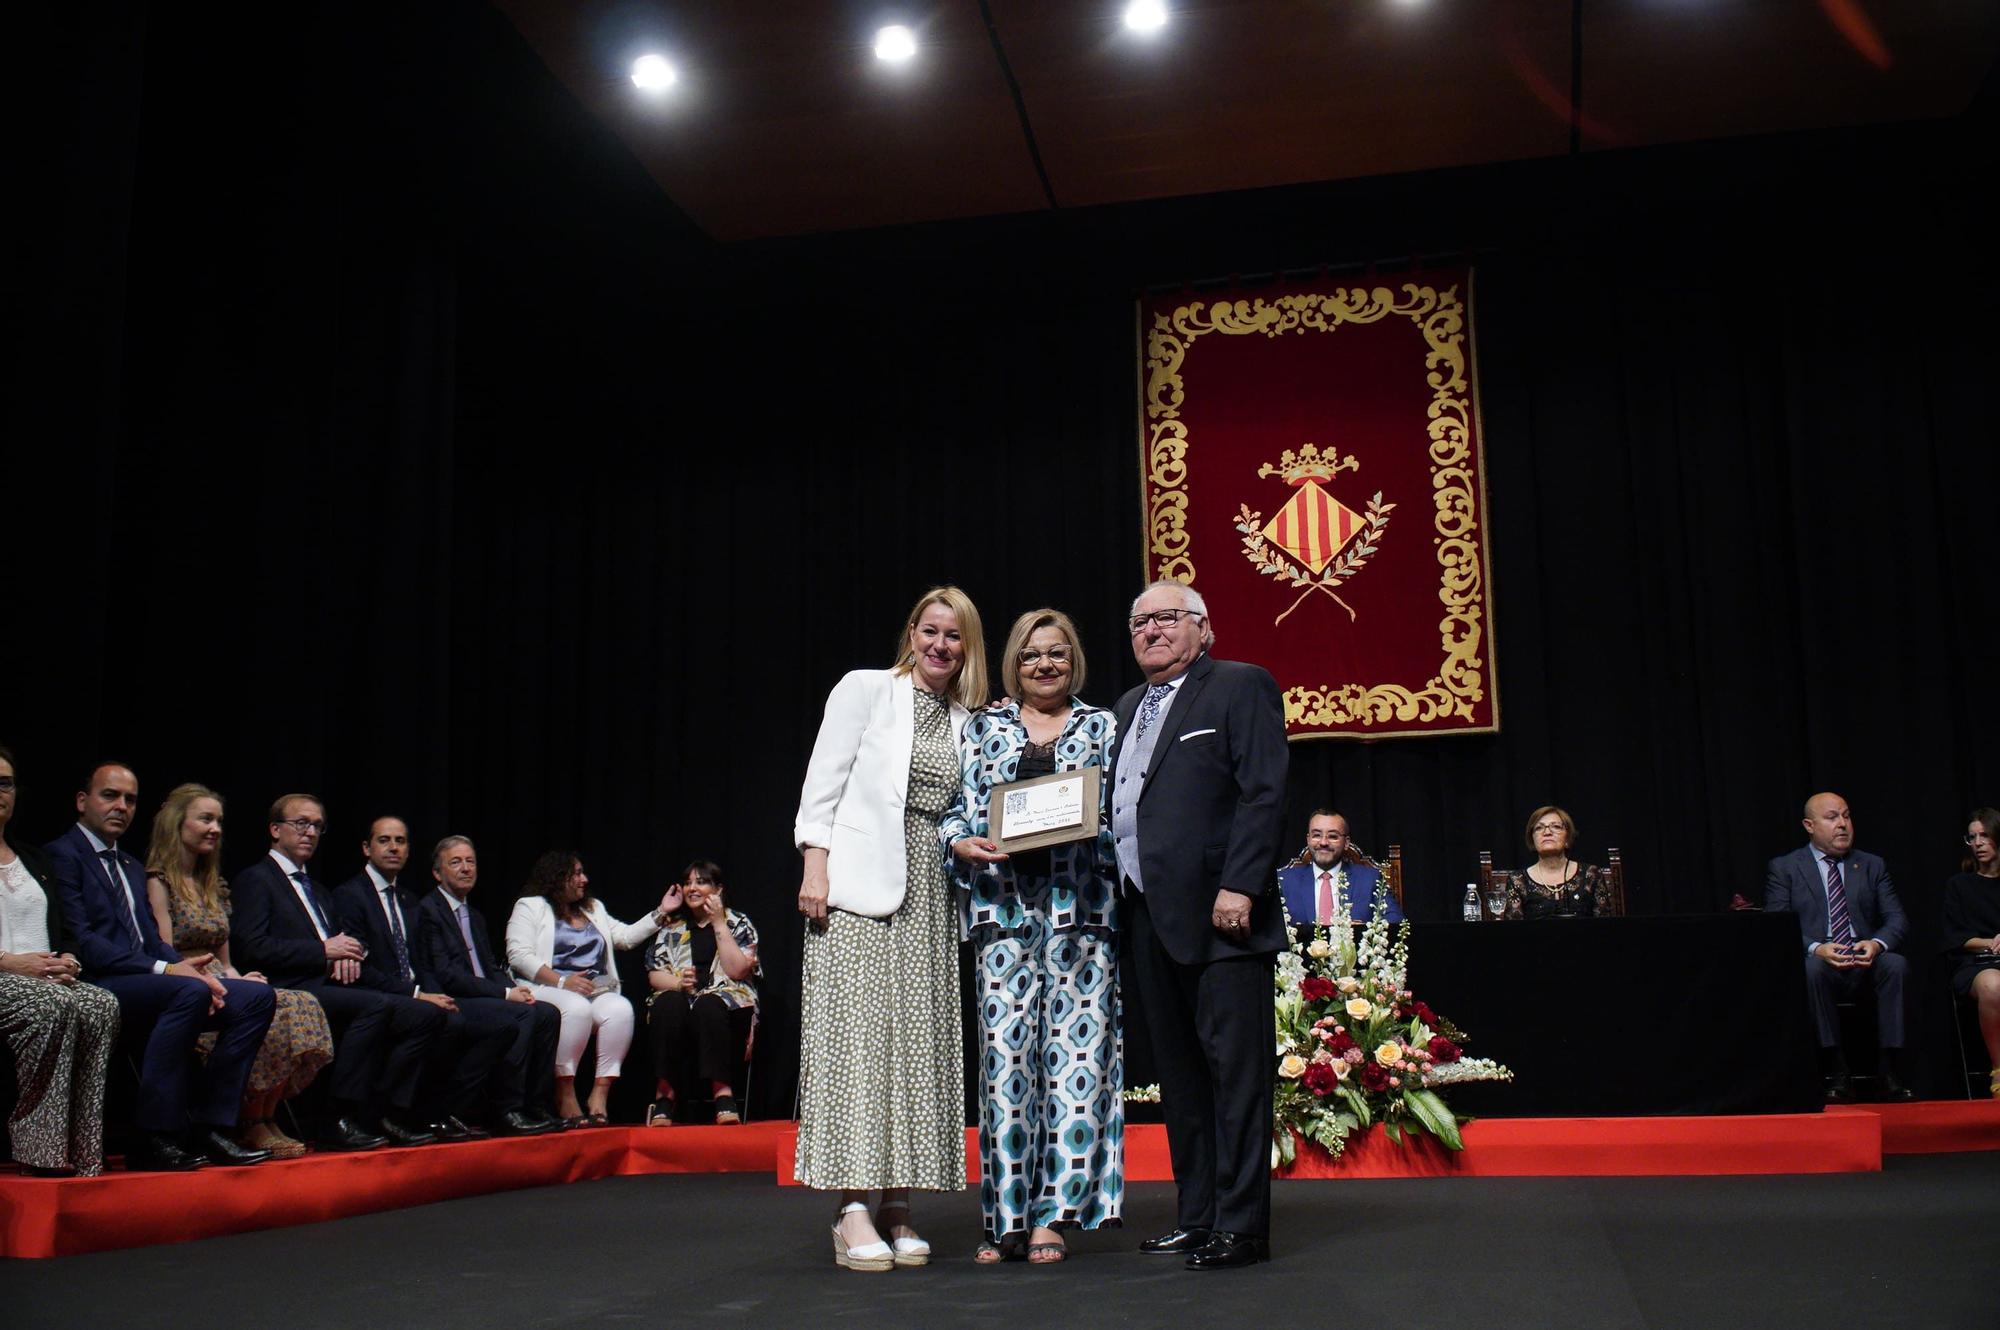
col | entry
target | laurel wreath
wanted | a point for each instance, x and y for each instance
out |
(1273, 563)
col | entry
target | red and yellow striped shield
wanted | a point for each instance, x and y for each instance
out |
(1314, 527)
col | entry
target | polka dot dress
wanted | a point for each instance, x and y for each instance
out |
(882, 1075)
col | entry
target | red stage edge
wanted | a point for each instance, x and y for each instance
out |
(48, 1217)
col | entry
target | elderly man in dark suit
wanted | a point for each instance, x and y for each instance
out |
(287, 926)
(1197, 784)
(1850, 922)
(454, 948)
(186, 1110)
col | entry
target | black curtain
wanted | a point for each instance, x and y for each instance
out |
(384, 432)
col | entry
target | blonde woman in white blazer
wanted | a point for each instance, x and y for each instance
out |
(560, 941)
(881, 1092)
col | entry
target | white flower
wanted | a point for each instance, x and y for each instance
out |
(1319, 949)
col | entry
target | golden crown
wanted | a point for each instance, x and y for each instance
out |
(1308, 464)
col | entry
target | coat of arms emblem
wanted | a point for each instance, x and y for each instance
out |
(1314, 541)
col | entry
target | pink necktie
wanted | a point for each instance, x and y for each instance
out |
(1325, 896)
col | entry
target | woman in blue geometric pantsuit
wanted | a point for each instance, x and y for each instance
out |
(1044, 929)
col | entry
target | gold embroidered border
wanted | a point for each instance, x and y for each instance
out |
(1440, 318)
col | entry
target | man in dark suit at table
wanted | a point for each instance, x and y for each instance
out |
(1851, 923)
(1197, 784)
(1311, 888)
(481, 1065)
(285, 925)
(186, 1110)
(453, 947)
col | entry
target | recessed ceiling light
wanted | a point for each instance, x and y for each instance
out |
(653, 73)
(1146, 15)
(895, 42)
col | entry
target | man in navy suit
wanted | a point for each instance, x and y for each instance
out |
(485, 1055)
(1197, 786)
(186, 1110)
(1850, 922)
(454, 949)
(286, 926)
(1311, 888)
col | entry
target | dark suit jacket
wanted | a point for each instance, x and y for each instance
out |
(94, 914)
(442, 951)
(269, 930)
(1793, 882)
(1211, 814)
(1300, 883)
(357, 907)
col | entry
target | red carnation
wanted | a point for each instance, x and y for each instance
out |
(1442, 1049)
(1426, 1015)
(1374, 1076)
(1340, 1042)
(1313, 988)
(1320, 1078)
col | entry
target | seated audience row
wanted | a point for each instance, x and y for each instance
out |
(239, 994)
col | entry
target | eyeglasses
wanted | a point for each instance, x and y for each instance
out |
(305, 826)
(1162, 618)
(6, 784)
(1055, 656)
(1548, 826)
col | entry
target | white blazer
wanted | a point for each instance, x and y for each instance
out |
(857, 785)
(531, 936)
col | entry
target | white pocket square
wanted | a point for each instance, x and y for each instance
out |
(1196, 734)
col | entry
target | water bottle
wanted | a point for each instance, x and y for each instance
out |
(1471, 903)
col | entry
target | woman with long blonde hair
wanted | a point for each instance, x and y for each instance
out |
(190, 901)
(881, 1081)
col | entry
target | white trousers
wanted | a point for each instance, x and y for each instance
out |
(609, 1013)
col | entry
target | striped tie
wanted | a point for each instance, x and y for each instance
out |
(1840, 926)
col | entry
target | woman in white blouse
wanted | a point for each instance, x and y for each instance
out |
(559, 941)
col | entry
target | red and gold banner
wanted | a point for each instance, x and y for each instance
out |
(1311, 464)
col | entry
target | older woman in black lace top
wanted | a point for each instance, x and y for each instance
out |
(1556, 886)
(1972, 930)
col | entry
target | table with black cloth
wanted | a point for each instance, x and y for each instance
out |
(1678, 1014)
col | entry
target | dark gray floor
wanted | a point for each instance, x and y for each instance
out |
(1915, 1246)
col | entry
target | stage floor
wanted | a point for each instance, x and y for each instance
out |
(1910, 1245)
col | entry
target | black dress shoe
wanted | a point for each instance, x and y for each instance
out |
(347, 1134)
(516, 1122)
(1180, 1242)
(1227, 1250)
(405, 1133)
(454, 1128)
(37, 1171)
(153, 1153)
(1894, 1091)
(221, 1150)
(1839, 1090)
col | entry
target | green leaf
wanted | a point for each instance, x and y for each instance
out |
(1393, 1132)
(1430, 1110)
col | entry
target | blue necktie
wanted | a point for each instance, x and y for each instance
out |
(117, 872)
(312, 901)
(396, 935)
(1149, 710)
(1839, 925)
(465, 931)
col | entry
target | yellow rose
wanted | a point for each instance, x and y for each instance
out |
(1359, 1009)
(1292, 1067)
(1389, 1054)
(1319, 949)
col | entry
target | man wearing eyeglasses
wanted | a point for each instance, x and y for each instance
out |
(1311, 889)
(286, 925)
(1850, 921)
(1197, 787)
(186, 1111)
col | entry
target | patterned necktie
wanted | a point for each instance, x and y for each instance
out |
(1149, 710)
(1838, 924)
(465, 931)
(396, 933)
(117, 872)
(312, 902)
(1326, 895)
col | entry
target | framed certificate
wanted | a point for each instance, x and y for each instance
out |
(1046, 810)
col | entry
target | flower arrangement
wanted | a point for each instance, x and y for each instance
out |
(1355, 1045)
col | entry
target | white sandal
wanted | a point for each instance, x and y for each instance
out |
(869, 1256)
(908, 1251)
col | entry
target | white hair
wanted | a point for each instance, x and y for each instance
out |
(1190, 598)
